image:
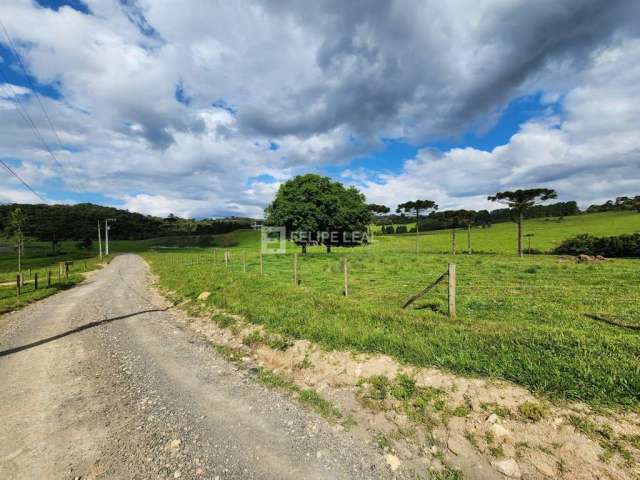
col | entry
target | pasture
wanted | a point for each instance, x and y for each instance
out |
(39, 259)
(565, 329)
(548, 233)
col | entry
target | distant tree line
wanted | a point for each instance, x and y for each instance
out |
(54, 223)
(620, 203)
(481, 218)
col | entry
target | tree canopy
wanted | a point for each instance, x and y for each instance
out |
(310, 206)
(521, 200)
(377, 209)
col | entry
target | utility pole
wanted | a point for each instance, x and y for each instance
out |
(106, 234)
(99, 240)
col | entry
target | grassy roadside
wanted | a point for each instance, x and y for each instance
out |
(520, 320)
(9, 301)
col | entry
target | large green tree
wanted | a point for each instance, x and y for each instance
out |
(316, 209)
(416, 207)
(519, 201)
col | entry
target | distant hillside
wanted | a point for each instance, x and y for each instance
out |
(76, 222)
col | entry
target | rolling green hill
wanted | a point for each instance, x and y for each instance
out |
(499, 238)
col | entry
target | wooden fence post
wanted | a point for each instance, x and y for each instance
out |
(226, 259)
(453, 241)
(59, 273)
(35, 281)
(66, 272)
(48, 278)
(244, 263)
(295, 270)
(469, 239)
(346, 278)
(261, 265)
(452, 290)
(18, 282)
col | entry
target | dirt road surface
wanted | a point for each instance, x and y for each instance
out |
(100, 382)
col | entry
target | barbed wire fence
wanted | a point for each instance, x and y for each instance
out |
(451, 285)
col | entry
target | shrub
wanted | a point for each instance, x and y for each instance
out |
(401, 229)
(620, 246)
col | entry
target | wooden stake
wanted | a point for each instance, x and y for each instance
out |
(66, 272)
(261, 265)
(226, 259)
(18, 284)
(59, 273)
(346, 278)
(430, 287)
(48, 278)
(453, 241)
(295, 270)
(469, 239)
(452, 290)
(35, 281)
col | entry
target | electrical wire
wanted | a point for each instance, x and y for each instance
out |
(22, 181)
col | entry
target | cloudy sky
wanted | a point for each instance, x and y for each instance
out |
(203, 108)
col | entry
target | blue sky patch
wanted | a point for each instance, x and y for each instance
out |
(56, 5)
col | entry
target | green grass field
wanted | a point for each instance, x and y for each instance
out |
(501, 237)
(38, 259)
(544, 322)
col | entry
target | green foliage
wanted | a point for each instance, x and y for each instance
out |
(311, 203)
(404, 387)
(521, 200)
(323, 407)
(532, 412)
(529, 328)
(378, 388)
(611, 247)
(80, 221)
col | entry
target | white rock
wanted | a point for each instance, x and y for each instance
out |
(493, 418)
(203, 296)
(499, 431)
(508, 467)
(393, 461)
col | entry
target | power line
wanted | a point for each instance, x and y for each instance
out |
(22, 181)
(22, 109)
(28, 77)
(30, 123)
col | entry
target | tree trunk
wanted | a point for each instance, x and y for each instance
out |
(520, 233)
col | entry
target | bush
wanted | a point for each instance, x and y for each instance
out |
(620, 246)
(401, 229)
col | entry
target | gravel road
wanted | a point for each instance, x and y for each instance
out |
(100, 382)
